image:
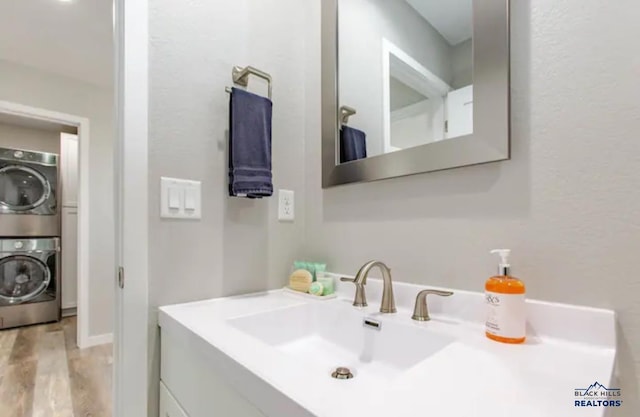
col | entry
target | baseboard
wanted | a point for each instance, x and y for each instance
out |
(69, 311)
(99, 339)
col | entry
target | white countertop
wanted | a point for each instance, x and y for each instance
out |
(567, 347)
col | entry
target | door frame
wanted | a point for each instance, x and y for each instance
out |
(84, 340)
(130, 347)
(131, 325)
(420, 78)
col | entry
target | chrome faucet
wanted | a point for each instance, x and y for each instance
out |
(420, 311)
(388, 304)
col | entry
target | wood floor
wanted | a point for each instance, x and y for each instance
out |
(44, 374)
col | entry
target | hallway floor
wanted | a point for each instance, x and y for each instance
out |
(44, 374)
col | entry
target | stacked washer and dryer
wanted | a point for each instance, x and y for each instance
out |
(29, 238)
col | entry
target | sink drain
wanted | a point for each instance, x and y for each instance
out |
(342, 373)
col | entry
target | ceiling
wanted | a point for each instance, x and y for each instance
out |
(452, 18)
(72, 38)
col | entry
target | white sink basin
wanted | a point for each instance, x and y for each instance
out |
(327, 335)
(278, 350)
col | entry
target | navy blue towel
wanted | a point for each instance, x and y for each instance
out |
(249, 145)
(353, 144)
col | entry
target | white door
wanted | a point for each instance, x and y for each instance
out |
(460, 112)
(131, 322)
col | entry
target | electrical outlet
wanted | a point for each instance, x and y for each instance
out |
(286, 206)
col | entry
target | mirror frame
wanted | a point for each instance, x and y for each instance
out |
(490, 139)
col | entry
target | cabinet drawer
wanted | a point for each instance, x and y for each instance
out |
(169, 407)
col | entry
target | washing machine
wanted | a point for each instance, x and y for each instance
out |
(28, 199)
(29, 281)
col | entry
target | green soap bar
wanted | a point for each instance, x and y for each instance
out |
(316, 288)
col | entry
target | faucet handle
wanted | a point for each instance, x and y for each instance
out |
(360, 299)
(420, 311)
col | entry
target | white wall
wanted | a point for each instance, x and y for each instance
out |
(363, 25)
(30, 139)
(35, 88)
(567, 203)
(238, 246)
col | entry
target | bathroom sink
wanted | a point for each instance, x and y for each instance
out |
(276, 352)
(327, 335)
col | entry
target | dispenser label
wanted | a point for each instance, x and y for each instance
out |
(506, 315)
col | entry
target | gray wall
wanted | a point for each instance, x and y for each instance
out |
(24, 85)
(238, 246)
(567, 202)
(462, 64)
(30, 139)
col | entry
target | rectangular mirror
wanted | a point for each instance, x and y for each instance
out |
(412, 86)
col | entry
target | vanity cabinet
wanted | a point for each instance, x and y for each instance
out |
(169, 406)
(192, 386)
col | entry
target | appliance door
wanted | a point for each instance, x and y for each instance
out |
(23, 189)
(23, 279)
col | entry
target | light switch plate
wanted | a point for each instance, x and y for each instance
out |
(286, 206)
(180, 199)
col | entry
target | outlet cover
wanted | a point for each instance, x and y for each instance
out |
(286, 206)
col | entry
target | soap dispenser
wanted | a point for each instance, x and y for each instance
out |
(505, 300)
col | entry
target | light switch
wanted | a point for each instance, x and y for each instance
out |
(179, 199)
(174, 197)
(190, 199)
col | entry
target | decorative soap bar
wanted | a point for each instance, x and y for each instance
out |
(316, 288)
(300, 280)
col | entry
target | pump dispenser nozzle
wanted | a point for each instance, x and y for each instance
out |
(503, 266)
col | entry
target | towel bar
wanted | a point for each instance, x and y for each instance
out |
(241, 77)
